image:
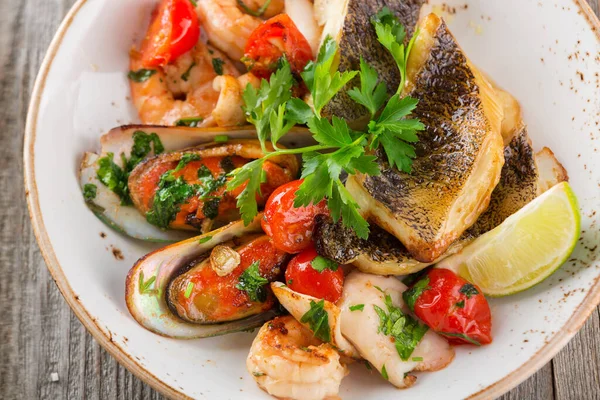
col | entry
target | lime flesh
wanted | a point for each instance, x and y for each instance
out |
(526, 248)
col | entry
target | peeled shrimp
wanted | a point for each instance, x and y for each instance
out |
(287, 361)
(228, 110)
(361, 328)
(183, 89)
(228, 27)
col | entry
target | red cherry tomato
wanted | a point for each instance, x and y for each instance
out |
(274, 38)
(290, 228)
(173, 31)
(452, 307)
(302, 277)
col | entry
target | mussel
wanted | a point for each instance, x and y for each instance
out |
(123, 148)
(209, 285)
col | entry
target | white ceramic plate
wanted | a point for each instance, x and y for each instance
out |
(546, 53)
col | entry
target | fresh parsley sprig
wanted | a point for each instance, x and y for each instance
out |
(340, 149)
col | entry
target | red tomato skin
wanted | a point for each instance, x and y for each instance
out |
(271, 40)
(173, 31)
(437, 307)
(290, 228)
(301, 277)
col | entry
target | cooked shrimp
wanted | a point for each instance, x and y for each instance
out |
(287, 361)
(228, 27)
(183, 89)
(362, 329)
(228, 110)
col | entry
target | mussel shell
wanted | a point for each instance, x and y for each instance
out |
(147, 302)
(107, 205)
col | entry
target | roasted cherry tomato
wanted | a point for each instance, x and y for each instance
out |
(291, 228)
(316, 276)
(173, 31)
(452, 307)
(274, 38)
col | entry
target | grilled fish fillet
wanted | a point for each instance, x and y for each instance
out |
(524, 177)
(348, 22)
(459, 154)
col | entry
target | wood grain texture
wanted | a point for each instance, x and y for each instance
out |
(40, 336)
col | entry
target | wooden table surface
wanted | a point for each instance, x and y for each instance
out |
(45, 352)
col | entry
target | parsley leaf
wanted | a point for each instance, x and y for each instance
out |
(141, 75)
(186, 75)
(469, 290)
(186, 158)
(143, 145)
(318, 320)
(461, 336)
(246, 200)
(371, 94)
(251, 282)
(321, 82)
(188, 290)
(204, 239)
(217, 64)
(114, 178)
(258, 13)
(411, 295)
(357, 307)
(406, 331)
(89, 191)
(460, 304)
(384, 373)
(169, 197)
(320, 264)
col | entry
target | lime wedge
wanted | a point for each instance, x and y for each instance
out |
(526, 248)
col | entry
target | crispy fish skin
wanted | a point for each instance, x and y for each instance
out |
(524, 176)
(459, 154)
(356, 37)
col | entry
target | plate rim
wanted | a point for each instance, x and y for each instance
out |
(496, 389)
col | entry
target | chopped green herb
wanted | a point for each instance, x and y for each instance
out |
(192, 122)
(186, 75)
(406, 331)
(143, 145)
(411, 295)
(144, 287)
(217, 64)
(227, 165)
(368, 365)
(114, 178)
(384, 373)
(257, 374)
(469, 290)
(169, 197)
(462, 336)
(141, 75)
(185, 160)
(89, 191)
(188, 290)
(318, 320)
(460, 304)
(357, 307)
(251, 282)
(304, 348)
(320, 264)
(290, 281)
(210, 209)
(221, 139)
(416, 359)
(204, 239)
(257, 13)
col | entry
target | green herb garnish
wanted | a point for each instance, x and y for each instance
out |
(204, 239)
(257, 374)
(318, 320)
(320, 264)
(194, 3)
(188, 290)
(217, 64)
(114, 178)
(186, 75)
(411, 295)
(192, 122)
(417, 359)
(406, 331)
(273, 112)
(460, 304)
(357, 307)
(141, 75)
(384, 373)
(221, 139)
(144, 287)
(251, 282)
(169, 197)
(461, 336)
(210, 209)
(257, 13)
(469, 290)
(89, 191)
(227, 165)
(185, 160)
